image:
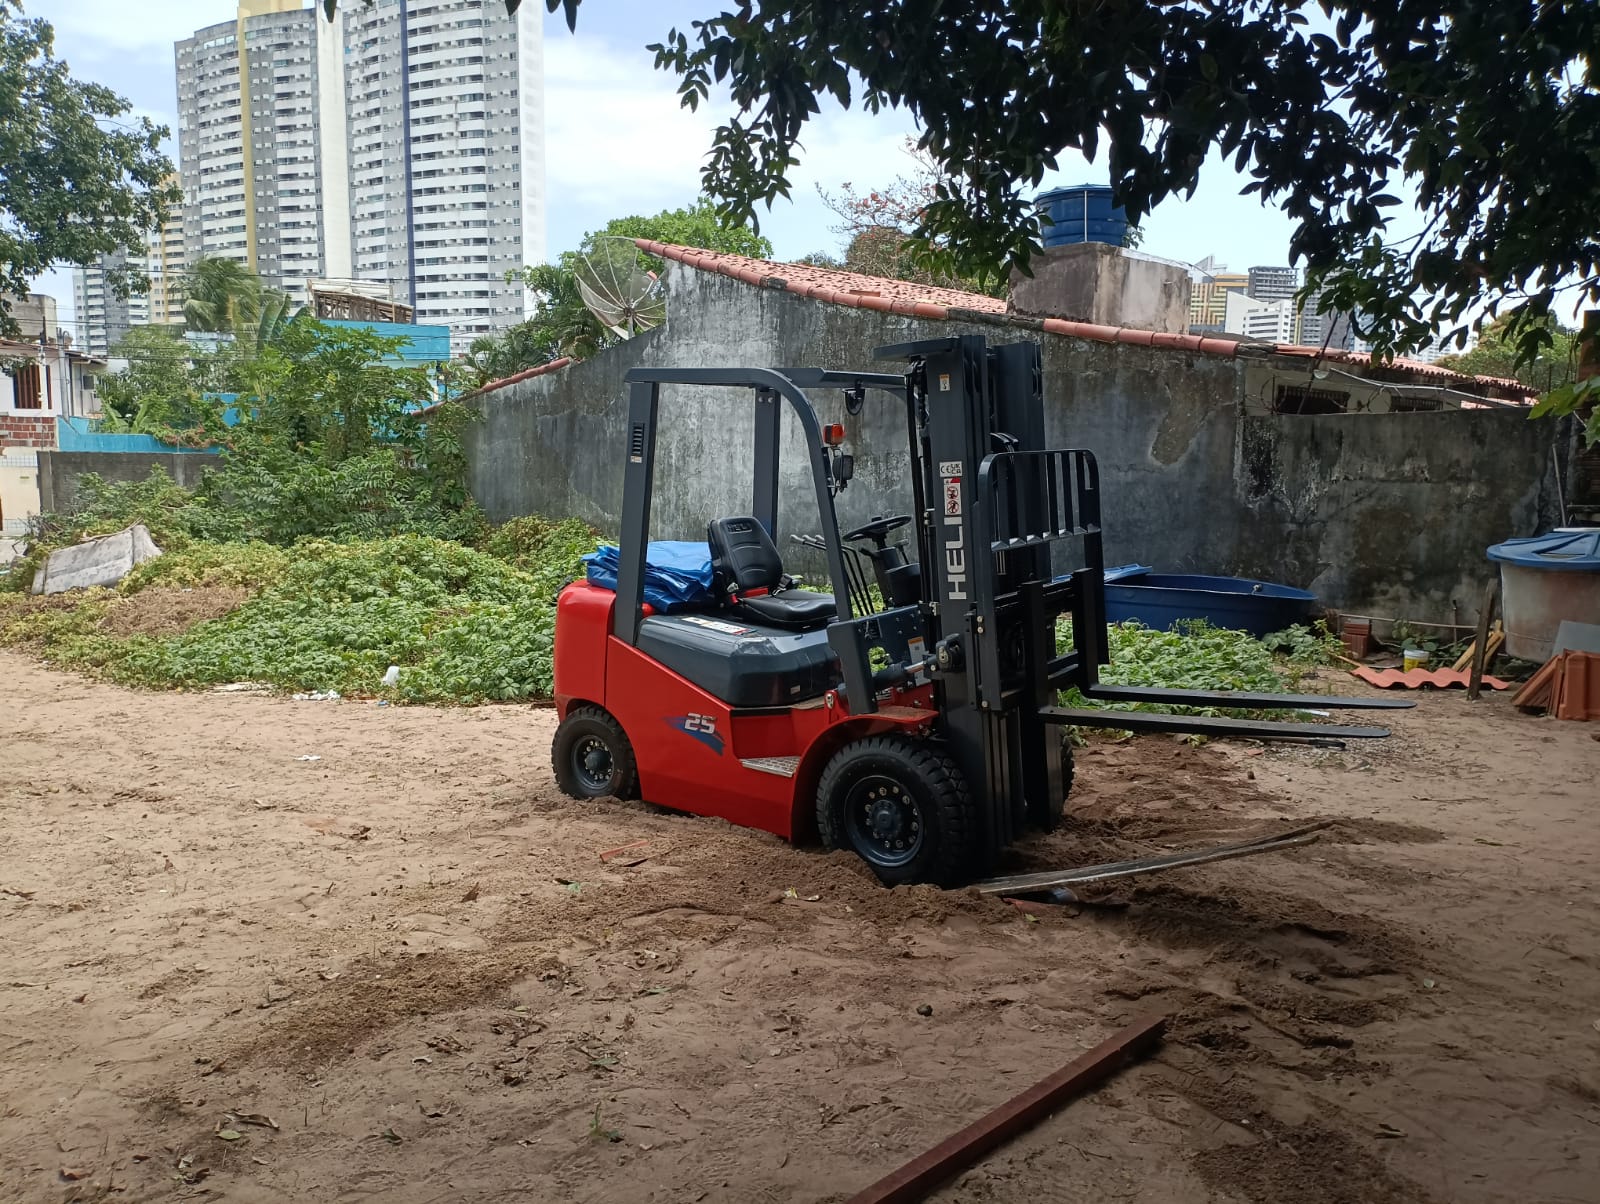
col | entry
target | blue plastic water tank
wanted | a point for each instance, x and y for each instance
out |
(1083, 213)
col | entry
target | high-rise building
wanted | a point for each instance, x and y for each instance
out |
(401, 144)
(252, 119)
(1273, 284)
(444, 101)
(1268, 321)
(1208, 297)
(102, 316)
(103, 310)
(165, 264)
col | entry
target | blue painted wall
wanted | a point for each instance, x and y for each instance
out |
(76, 435)
(428, 345)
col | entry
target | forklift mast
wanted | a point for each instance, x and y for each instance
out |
(1000, 506)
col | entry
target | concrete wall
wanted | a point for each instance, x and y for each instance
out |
(1094, 282)
(1381, 513)
(59, 471)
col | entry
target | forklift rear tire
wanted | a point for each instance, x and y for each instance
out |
(903, 807)
(592, 756)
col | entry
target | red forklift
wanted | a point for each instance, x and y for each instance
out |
(910, 714)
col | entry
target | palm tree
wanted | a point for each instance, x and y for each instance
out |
(221, 295)
(277, 311)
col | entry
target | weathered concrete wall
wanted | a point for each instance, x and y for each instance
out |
(1383, 513)
(1094, 282)
(59, 471)
(1390, 514)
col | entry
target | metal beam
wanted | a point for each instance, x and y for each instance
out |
(917, 1178)
(1022, 884)
(1206, 725)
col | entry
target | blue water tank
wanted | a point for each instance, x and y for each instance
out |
(1083, 213)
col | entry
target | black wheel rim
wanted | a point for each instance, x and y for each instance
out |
(591, 763)
(883, 820)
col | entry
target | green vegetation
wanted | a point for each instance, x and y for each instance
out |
(80, 176)
(561, 323)
(333, 538)
(1497, 354)
(327, 440)
(464, 625)
(163, 390)
(1198, 656)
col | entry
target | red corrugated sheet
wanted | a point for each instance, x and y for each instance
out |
(1388, 679)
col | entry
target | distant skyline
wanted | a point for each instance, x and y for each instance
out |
(617, 142)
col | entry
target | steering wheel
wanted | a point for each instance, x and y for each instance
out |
(878, 529)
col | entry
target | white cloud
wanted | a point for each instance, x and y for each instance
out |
(617, 142)
(615, 133)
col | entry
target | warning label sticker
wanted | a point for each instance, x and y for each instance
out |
(952, 496)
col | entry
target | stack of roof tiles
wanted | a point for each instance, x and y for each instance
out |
(1568, 687)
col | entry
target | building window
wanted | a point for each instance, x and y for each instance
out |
(1300, 399)
(1414, 405)
(27, 392)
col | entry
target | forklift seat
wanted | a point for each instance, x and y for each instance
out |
(746, 567)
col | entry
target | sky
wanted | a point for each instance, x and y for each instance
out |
(617, 142)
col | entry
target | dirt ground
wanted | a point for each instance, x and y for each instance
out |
(408, 955)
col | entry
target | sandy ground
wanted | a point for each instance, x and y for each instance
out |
(409, 956)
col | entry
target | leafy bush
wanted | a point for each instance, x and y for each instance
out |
(1198, 656)
(329, 441)
(197, 565)
(464, 626)
(1307, 647)
(1195, 656)
(543, 549)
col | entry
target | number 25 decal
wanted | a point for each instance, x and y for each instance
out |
(702, 727)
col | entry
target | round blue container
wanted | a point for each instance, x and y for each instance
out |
(1083, 213)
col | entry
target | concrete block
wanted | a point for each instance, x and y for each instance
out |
(103, 561)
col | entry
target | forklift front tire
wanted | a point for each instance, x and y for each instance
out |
(903, 807)
(592, 756)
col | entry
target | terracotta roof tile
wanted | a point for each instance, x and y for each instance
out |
(527, 374)
(860, 291)
(910, 300)
(836, 287)
(1415, 367)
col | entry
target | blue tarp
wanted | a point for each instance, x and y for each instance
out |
(677, 573)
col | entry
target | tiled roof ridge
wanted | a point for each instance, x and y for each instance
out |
(860, 291)
(835, 286)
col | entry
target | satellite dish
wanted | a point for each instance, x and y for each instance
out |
(626, 299)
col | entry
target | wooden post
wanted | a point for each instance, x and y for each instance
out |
(1480, 649)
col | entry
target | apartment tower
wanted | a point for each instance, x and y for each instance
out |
(100, 316)
(444, 104)
(254, 128)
